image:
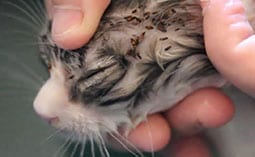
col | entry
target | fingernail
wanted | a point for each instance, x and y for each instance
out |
(204, 5)
(66, 19)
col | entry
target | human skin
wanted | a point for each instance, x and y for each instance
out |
(233, 58)
(75, 21)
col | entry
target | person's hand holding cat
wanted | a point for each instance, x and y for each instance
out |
(229, 45)
(74, 21)
(230, 41)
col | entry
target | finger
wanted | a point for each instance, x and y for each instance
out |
(75, 21)
(205, 108)
(152, 135)
(230, 42)
(190, 147)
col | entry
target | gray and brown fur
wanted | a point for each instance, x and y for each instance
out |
(145, 56)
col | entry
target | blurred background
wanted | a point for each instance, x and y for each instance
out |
(24, 134)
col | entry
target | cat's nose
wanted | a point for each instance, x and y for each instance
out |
(49, 119)
(46, 115)
(51, 100)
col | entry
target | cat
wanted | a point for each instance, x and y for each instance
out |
(145, 57)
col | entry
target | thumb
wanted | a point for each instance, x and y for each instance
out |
(75, 21)
(230, 42)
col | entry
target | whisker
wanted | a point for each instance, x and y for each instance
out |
(76, 146)
(21, 42)
(66, 148)
(23, 33)
(66, 144)
(101, 149)
(11, 93)
(74, 149)
(40, 14)
(103, 145)
(83, 147)
(22, 78)
(18, 87)
(92, 146)
(125, 146)
(150, 136)
(25, 12)
(130, 144)
(28, 69)
(51, 136)
(22, 21)
(22, 98)
(40, 8)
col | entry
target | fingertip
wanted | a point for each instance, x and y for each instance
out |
(205, 108)
(75, 22)
(229, 21)
(73, 40)
(70, 35)
(152, 135)
(224, 26)
(217, 109)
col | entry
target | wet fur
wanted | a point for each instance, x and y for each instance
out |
(145, 57)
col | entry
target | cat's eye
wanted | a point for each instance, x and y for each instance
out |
(71, 77)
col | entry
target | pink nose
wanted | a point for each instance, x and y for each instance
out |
(49, 119)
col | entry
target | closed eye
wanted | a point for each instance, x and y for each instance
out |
(93, 72)
(71, 77)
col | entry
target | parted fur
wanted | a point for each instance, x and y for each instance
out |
(145, 56)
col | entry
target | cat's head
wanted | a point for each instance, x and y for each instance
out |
(81, 94)
(110, 81)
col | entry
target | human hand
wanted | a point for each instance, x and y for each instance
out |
(206, 108)
(230, 44)
(74, 21)
(230, 41)
(203, 109)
